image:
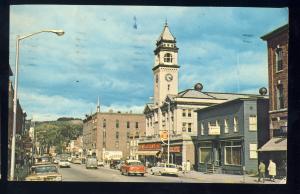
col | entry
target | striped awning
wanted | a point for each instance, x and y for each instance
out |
(147, 153)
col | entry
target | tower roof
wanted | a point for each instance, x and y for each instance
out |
(166, 34)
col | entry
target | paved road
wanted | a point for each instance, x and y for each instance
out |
(80, 173)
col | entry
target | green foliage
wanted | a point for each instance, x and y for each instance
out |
(57, 133)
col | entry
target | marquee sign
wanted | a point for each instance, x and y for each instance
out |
(149, 146)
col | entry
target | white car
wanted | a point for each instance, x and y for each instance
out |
(64, 163)
(164, 169)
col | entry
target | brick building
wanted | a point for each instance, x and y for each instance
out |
(276, 147)
(111, 131)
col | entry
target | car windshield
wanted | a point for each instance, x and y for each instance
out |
(44, 169)
(135, 163)
(171, 166)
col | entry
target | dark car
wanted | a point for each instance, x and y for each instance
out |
(114, 164)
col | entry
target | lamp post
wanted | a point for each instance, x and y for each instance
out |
(13, 140)
(169, 111)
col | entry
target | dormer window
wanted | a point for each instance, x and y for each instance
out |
(279, 61)
(168, 58)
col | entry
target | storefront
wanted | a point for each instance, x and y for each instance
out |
(149, 153)
(220, 156)
(175, 154)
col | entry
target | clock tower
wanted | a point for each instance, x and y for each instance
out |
(165, 70)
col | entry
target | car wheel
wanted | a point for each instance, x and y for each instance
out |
(151, 172)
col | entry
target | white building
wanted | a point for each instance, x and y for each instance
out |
(173, 110)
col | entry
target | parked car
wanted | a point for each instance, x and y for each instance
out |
(118, 167)
(100, 163)
(47, 172)
(133, 167)
(164, 169)
(114, 163)
(42, 160)
(64, 163)
(56, 159)
(76, 160)
(91, 162)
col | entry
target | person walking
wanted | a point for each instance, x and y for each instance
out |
(272, 170)
(261, 171)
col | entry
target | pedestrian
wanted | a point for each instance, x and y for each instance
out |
(261, 171)
(272, 170)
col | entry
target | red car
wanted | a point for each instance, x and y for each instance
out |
(133, 167)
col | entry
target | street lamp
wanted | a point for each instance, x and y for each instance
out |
(13, 140)
(168, 130)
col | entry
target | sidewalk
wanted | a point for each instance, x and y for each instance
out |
(226, 178)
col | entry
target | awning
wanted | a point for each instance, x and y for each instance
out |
(274, 144)
(147, 153)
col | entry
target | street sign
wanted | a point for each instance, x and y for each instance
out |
(163, 135)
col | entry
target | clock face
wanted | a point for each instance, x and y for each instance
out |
(169, 77)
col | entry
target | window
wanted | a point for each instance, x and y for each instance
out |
(104, 134)
(189, 113)
(136, 125)
(183, 112)
(189, 127)
(202, 129)
(128, 135)
(117, 124)
(168, 87)
(226, 126)
(156, 78)
(235, 124)
(128, 124)
(117, 144)
(183, 126)
(280, 98)
(127, 145)
(168, 58)
(117, 135)
(104, 123)
(232, 153)
(253, 151)
(279, 56)
(252, 123)
(214, 128)
(205, 152)
(104, 144)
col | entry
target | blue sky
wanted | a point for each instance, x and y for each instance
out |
(103, 54)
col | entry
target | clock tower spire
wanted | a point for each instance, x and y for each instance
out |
(166, 67)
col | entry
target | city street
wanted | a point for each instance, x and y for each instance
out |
(102, 174)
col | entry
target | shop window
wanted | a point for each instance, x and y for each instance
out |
(232, 154)
(252, 123)
(253, 151)
(205, 152)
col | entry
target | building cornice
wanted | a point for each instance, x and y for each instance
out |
(162, 65)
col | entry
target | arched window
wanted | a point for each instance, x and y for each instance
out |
(168, 58)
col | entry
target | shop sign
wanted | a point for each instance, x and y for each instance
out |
(149, 146)
(173, 149)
